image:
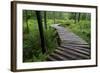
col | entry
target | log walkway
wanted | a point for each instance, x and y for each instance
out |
(71, 47)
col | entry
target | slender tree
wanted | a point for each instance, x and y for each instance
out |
(54, 17)
(79, 17)
(27, 19)
(45, 20)
(75, 18)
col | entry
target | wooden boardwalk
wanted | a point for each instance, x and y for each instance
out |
(72, 47)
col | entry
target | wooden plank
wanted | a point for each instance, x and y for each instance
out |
(80, 50)
(50, 58)
(75, 53)
(67, 55)
(58, 57)
(75, 44)
(81, 47)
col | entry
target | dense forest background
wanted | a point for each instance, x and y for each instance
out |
(79, 23)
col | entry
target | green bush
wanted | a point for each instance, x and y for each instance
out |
(65, 23)
(83, 29)
(32, 50)
(31, 45)
(51, 39)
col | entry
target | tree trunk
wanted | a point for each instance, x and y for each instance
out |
(79, 17)
(45, 20)
(54, 17)
(75, 17)
(27, 22)
(39, 19)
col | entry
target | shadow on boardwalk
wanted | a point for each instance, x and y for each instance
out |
(71, 47)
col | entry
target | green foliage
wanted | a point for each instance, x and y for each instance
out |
(50, 22)
(79, 23)
(31, 45)
(32, 50)
(65, 22)
(81, 28)
(51, 39)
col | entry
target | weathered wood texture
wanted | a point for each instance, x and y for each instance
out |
(72, 46)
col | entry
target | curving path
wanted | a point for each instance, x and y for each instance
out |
(71, 47)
